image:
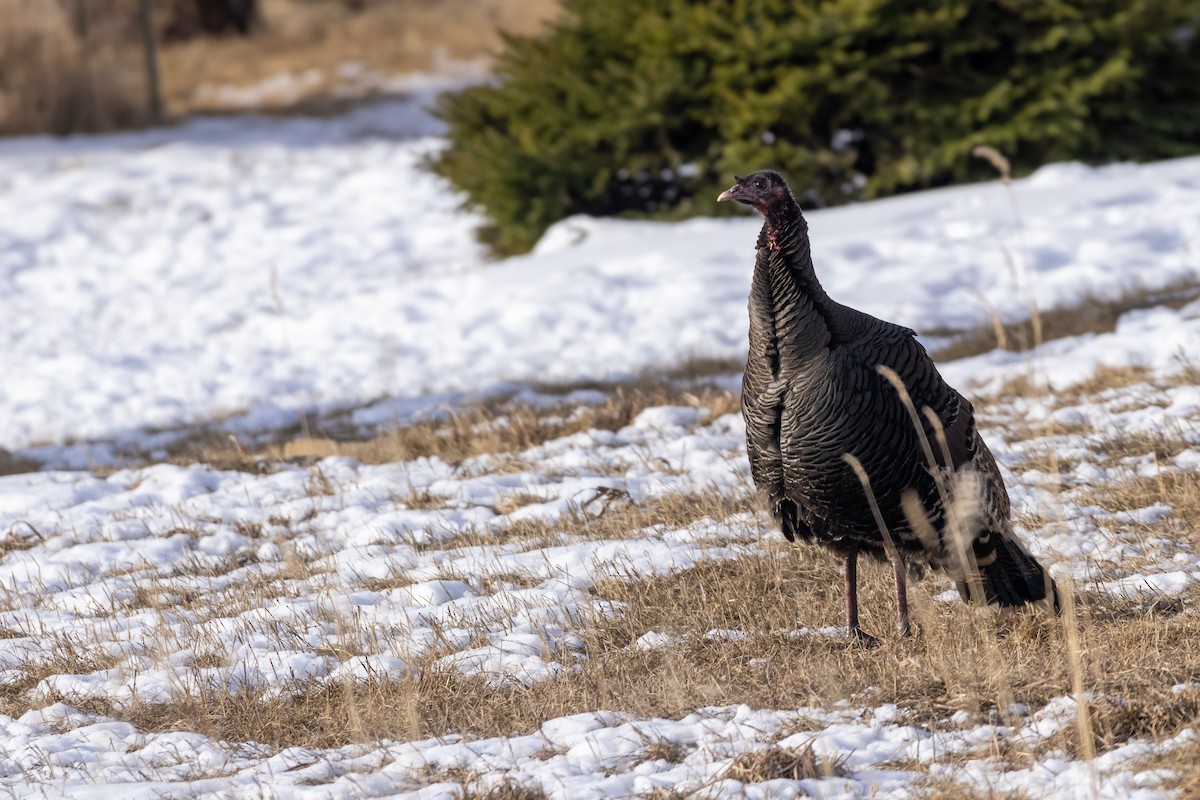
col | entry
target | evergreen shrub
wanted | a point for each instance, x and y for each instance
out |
(648, 107)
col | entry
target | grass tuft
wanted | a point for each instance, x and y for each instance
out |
(776, 763)
(505, 790)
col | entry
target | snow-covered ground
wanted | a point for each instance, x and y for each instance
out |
(261, 269)
(149, 585)
(250, 271)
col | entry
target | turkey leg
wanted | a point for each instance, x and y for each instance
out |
(899, 569)
(852, 599)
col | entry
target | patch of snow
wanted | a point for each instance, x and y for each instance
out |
(592, 755)
(255, 269)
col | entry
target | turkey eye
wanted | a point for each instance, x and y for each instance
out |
(759, 185)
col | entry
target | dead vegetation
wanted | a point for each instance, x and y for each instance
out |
(595, 519)
(503, 427)
(960, 659)
(1090, 314)
(1183, 776)
(313, 40)
(662, 750)
(504, 790)
(1059, 428)
(774, 763)
(1118, 719)
(14, 465)
(69, 66)
(21, 536)
(1126, 655)
(58, 655)
(1178, 491)
(947, 789)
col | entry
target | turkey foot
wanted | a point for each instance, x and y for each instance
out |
(861, 638)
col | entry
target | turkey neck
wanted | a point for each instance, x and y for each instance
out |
(786, 289)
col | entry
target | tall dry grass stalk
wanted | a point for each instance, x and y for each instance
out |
(1001, 164)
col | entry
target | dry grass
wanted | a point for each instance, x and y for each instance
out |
(1103, 379)
(1090, 314)
(1107, 392)
(59, 655)
(320, 36)
(499, 427)
(1116, 720)
(505, 790)
(620, 519)
(774, 763)
(20, 536)
(516, 501)
(502, 427)
(13, 465)
(1125, 655)
(423, 499)
(1044, 440)
(606, 515)
(77, 65)
(1179, 490)
(507, 428)
(1181, 761)
(671, 752)
(960, 659)
(945, 789)
(67, 67)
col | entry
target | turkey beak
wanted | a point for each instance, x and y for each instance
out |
(732, 193)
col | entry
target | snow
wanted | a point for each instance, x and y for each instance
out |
(1161, 339)
(240, 273)
(398, 584)
(593, 755)
(103, 541)
(258, 269)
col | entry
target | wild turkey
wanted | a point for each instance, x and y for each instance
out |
(842, 459)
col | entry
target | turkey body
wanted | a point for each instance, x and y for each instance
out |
(813, 393)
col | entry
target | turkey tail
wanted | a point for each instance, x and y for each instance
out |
(1013, 578)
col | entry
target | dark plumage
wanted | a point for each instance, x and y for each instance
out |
(818, 399)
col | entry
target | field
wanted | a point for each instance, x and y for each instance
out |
(304, 497)
(74, 66)
(311, 53)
